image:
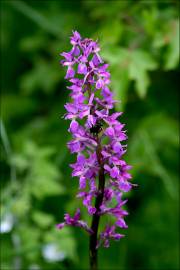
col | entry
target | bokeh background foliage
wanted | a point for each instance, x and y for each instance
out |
(140, 41)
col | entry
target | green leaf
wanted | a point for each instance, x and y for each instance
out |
(157, 167)
(20, 162)
(43, 186)
(30, 241)
(120, 83)
(41, 176)
(64, 240)
(32, 150)
(110, 32)
(35, 16)
(141, 62)
(11, 107)
(150, 20)
(172, 54)
(42, 219)
(119, 62)
(129, 65)
(116, 55)
(165, 129)
(21, 205)
(43, 77)
(32, 43)
(147, 142)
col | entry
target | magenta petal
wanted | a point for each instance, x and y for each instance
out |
(109, 132)
(75, 51)
(117, 148)
(114, 172)
(91, 210)
(74, 126)
(121, 223)
(125, 186)
(82, 182)
(74, 146)
(91, 120)
(70, 108)
(105, 154)
(60, 225)
(82, 69)
(106, 243)
(107, 168)
(99, 84)
(77, 215)
(70, 73)
(67, 56)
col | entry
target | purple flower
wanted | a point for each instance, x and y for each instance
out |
(107, 234)
(74, 221)
(97, 139)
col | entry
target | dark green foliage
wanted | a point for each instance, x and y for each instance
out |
(140, 41)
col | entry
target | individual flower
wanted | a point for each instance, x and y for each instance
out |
(107, 234)
(74, 221)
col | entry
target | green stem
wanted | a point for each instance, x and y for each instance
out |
(95, 220)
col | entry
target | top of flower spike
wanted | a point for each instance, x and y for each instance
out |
(75, 38)
(82, 49)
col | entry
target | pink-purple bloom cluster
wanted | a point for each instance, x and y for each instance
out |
(97, 138)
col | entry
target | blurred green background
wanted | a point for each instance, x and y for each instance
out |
(140, 41)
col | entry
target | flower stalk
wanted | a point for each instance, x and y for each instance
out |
(96, 218)
(98, 141)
